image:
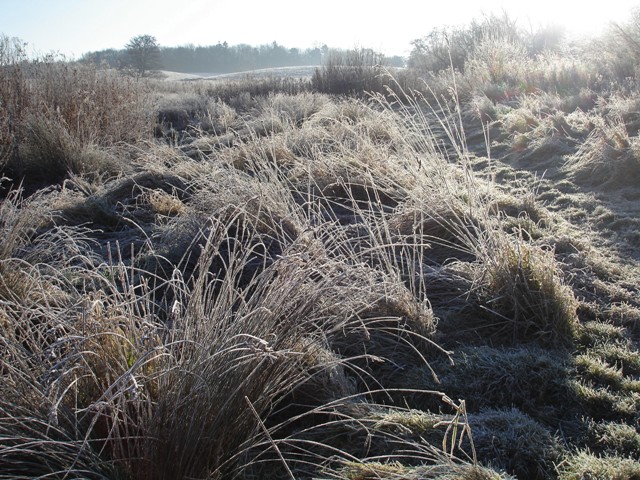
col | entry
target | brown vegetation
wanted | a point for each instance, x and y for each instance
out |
(255, 279)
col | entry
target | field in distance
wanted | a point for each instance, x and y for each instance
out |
(291, 72)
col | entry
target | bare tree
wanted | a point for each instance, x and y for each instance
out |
(143, 54)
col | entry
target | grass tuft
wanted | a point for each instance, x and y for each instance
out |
(522, 289)
(586, 465)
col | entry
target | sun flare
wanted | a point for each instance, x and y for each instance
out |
(577, 17)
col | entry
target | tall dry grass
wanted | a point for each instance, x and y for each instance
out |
(182, 371)
(283, 282)
(61, 117)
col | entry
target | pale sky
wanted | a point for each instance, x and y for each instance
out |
(74, 27)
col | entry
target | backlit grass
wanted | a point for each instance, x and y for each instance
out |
(253, 279)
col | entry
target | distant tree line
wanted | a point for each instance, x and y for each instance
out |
(222, 58)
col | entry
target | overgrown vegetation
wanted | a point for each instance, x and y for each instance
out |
(436, 278)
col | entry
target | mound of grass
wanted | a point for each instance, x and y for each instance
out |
(376, 470)
(532, 379)
(584, 464)
(613, 438)
(522, 290)
(516, 443)
(608, 157)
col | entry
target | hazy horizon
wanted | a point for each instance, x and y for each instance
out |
(75, 27)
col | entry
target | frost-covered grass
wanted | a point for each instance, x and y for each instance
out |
(295, 285)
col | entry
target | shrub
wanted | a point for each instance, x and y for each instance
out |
(13, 94)
(97, 106)
(497, 59)
(453, 47)
(61, 115)
(617, 51)
(350, 72)
(49, 152)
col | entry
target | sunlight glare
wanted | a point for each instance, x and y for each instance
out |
(578, 18)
